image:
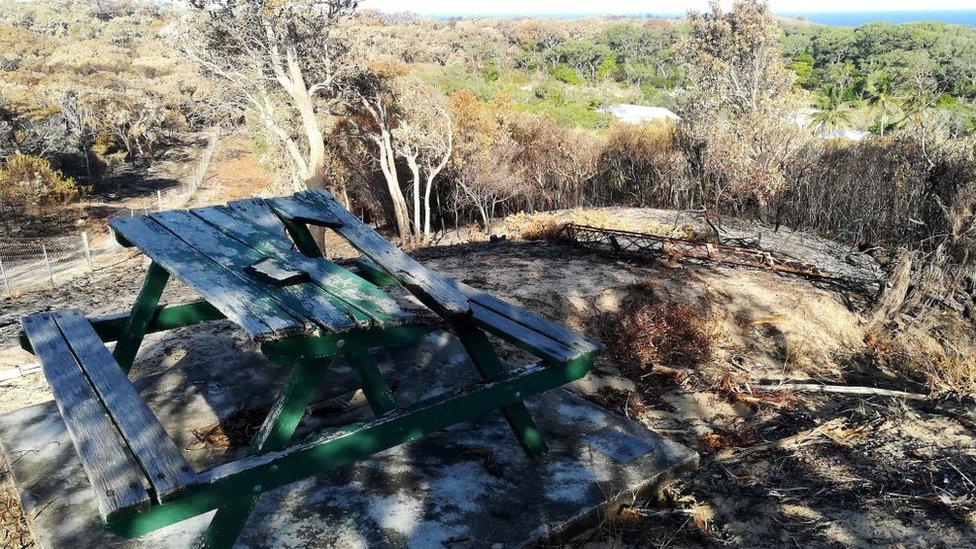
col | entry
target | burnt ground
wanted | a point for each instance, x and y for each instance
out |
(777, 468)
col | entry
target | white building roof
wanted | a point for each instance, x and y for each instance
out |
(635, 114)
(853, 135)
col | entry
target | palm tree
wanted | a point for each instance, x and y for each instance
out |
(881, 93)
(832, 111)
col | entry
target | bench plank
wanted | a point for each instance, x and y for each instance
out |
(163, 463)
(523, 337)
(255, 210)
(487, 308)
(530, 320)
(241, 300)
(319, 207)
(304, 301)
(339, 282)
(115, 477)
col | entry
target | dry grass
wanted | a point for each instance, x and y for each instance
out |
(538, 226)
(235, 431)
(14, 532)
(941, 358)
(545, 225)
(651, 331)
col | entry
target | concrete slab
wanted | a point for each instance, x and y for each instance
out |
(468, 486)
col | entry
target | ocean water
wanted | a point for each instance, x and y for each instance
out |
(855, 18)
(838, 18)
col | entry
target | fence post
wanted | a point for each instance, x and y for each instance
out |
(6, 283)
(87, 246)
(47, 262)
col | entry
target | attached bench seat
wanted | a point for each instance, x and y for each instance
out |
(130, 460)
(522, 328)
(382, 261)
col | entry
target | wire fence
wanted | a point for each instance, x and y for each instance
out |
(31, 264)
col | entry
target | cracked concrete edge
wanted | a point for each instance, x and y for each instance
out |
(648, 490)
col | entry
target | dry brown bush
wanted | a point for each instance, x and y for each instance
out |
(650, 330)
(545, 225)
(537, 226)
(925, 355)
(641, 166)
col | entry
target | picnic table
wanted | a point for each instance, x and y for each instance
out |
(256, 263)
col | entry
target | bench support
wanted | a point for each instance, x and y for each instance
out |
(302, 236)
(277, 430)
(311, 357)
(490, 368)
(258, 474)
(141, 316)
(375, 388)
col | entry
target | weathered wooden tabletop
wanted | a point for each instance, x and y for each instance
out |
(239, 258)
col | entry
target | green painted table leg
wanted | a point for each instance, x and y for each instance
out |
(278, 428)
(289, 407)
(490, 367)
(227, 524)
(375, 388)
(142, 314)
(303, 238)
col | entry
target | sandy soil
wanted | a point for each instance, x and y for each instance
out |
(860, 470)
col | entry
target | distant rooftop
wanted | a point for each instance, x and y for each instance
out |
(635, 114)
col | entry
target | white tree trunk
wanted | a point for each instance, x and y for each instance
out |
(415, 174)
(388, 165)
(427, 190)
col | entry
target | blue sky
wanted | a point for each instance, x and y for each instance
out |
(566, 7)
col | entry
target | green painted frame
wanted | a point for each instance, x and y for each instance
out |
(346, 445)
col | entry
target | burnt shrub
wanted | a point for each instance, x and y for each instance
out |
(650, 330)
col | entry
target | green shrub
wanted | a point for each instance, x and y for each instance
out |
(490, 71)
(608, 68)
(565, 73)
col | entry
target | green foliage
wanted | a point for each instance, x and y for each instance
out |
(490, 71)
(848, 56)
(551, 93)
(565, 73)
(653, 95)
(583, 56)
(573, 114)
(833, 112)
(608, 68)
(108, 151)
(802, 67)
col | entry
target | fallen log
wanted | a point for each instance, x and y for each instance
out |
(798, 440)
(842, 389)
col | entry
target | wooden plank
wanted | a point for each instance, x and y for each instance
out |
(339, 282)
(243, 302)
(530, 320)
(260, 214)
(305, 301)
(321, 208)
(523, 337)
(308, 212)
(163, 463)
(115, 477)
